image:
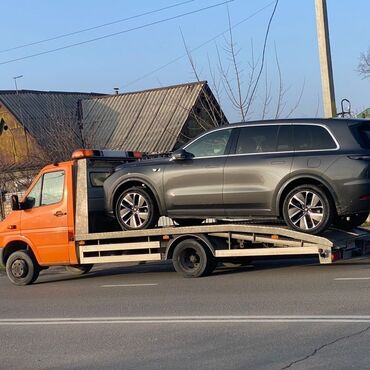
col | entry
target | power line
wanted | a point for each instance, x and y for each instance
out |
(200, 46)
(96, 27)
(117, 33)
(263, 56)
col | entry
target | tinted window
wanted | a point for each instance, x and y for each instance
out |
(362, 134)
(285, 139)
(48, 190)
(211, 144)
(257, 139)
(312, 137)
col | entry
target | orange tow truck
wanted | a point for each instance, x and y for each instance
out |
(61, 221)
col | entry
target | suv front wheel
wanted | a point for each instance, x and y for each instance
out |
(135, 209)
(308, 209)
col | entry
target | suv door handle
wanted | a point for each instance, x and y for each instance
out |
(59, 213)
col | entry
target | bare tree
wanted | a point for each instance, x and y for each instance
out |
(363, 67)
(242, 87)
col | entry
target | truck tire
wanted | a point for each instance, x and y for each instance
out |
(135, 209)
(351, 221)
(192, 259)
(21, 268)
(79, 269)
(308, 209)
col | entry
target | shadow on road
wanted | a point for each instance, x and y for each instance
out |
(59, 274)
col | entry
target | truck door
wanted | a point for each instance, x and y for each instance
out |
(44, 218)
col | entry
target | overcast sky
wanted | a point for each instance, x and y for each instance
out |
(150, 56)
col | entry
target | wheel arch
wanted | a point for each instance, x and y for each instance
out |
(305, 180)
(14, 246)
(128, 183)
(198, 237)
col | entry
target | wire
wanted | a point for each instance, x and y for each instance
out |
(200, 46)
(95, 27)
(117, 33)
(263, 57)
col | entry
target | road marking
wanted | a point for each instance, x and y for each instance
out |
(127, 285)
(184, 320)
(349, 278)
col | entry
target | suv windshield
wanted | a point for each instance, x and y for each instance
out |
(361, 132)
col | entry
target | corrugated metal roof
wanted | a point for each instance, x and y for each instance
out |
(43, 111)
(149, 120)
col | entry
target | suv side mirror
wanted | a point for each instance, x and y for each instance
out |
(15, 202)
(181, 155)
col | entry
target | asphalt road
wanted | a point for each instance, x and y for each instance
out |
(270, 315)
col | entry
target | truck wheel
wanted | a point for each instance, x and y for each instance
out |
(79, 269)
(21, 268)
(308, 209)
(351, 221)
(192, 259)
(135, 209)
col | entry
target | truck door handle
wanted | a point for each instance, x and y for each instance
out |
(59, 213)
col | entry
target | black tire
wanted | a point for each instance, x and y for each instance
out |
(351, 221)
(192, 259)
(308, 209)
(21, 268)
(128, 206)
(188, 221)
(79, 269)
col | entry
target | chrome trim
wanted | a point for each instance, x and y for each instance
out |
(269, 124)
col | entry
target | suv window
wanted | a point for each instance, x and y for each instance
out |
(361, 133)
(262, 139)
(212, 144)
(312, 137)
(48, 190)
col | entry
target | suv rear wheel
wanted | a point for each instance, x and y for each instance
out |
(308, 209)
(135, 209)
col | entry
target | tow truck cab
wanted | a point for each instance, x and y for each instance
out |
(42, 224)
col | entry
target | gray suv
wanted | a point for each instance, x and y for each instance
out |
(309, 172)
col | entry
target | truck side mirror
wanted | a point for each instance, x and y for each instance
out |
(15, 202)
(181, 155)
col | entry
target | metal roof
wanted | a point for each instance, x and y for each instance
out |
(44, 111)
(149, 120)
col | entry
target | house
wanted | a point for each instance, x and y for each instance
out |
(36, 127)
(155, 120)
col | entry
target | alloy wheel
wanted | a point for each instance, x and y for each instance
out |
(134, 210)
(306, 210)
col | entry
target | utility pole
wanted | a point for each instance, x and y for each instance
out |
(325, 59)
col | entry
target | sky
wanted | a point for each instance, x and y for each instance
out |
(149, 51)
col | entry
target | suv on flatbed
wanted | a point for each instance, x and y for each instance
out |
(310, 172)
